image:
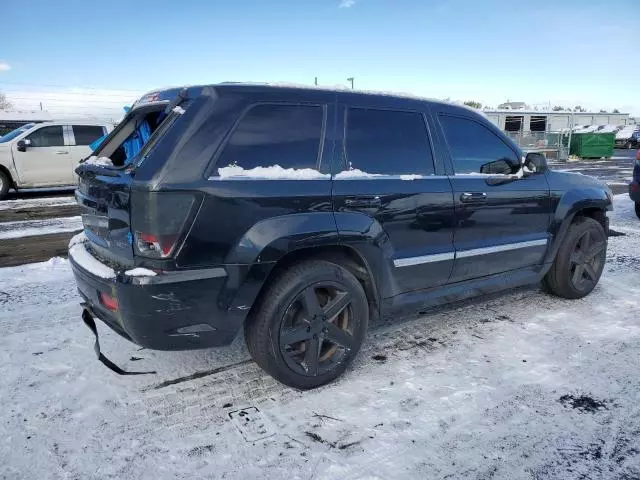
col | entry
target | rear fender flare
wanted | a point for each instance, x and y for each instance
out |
(249, 264)
(267, 242)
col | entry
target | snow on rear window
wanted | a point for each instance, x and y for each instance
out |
(355, 173)
(274, 172)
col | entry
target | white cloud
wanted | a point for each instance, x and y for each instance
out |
(73, 101)
(4, 66)
(347, 3)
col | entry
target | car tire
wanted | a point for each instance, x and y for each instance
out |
(637, 209)
(580, 260)
(628, 145)
(296, 335)
(5, 184)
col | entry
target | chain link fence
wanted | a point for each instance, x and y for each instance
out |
(552, 144)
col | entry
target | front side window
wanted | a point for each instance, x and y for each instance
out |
(387, 142)
(476, 149)
(47, 137)
(268, 135)
(87, 134)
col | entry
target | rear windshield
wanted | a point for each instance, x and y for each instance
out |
(137, 133)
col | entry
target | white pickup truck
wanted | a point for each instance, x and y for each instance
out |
(46, 154)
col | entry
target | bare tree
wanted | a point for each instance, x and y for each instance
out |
(4, 103)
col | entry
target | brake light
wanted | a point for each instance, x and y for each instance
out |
(155, 245)
(161, 220)
(109, 302)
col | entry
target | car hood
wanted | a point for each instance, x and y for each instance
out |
(578, 179)
(573, 182)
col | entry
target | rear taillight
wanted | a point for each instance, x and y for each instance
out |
(152, 245)
(160, 221)
(109, 302)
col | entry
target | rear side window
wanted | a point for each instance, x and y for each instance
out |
(387, 142)
(47, 137)
(474, 148)
(268, 135)
(87, 134)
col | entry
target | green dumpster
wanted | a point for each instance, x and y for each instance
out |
(592, 145)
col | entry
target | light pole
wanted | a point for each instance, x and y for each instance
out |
(350, 79)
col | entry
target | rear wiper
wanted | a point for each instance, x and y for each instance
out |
(181, 97)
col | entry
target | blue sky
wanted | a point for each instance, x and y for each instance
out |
(565, 52)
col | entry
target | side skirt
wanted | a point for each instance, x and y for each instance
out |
(412, 302)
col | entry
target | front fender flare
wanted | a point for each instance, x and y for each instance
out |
(571, 203)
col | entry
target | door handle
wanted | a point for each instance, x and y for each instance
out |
(364, 202)
(473, 197)
(61, 152)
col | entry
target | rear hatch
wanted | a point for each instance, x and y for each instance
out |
(104, 189)
(104, 197)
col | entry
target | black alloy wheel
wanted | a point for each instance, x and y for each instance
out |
(315, 332)
(579, 261)
(587, 261)
(309, 323)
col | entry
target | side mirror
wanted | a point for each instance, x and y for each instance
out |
(535, 162)
(22, 145)
(503, 166)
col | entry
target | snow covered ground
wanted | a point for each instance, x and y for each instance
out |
(30, 228)
(517, 386)
(23, 203)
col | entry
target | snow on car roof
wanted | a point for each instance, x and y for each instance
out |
(345, 89)
(325, 88)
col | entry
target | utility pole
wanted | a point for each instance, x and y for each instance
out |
(573, 123)
(350, 79)
(40, 106)
(315, 81)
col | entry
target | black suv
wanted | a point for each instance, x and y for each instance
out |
(302, 213)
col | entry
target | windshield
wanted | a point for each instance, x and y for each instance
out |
(13, 134)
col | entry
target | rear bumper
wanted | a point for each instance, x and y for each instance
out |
(173, 311)
(634, 191)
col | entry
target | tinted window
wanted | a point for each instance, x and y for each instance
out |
(474, 148)
(284, 135)
(87, 134)
(47, 137)
(388, 142)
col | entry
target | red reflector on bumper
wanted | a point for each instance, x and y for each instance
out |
(109, 302)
